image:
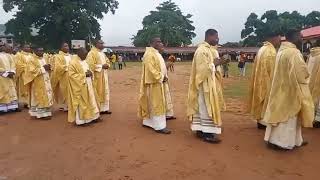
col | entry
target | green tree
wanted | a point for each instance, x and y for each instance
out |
(313, 19)
(257, 29)
(232, 44)
(168, 22)
(55, 21)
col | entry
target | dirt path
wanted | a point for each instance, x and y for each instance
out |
(120, 149)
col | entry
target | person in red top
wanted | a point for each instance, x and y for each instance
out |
(171, 61)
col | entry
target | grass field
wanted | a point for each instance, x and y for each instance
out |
(235, 86)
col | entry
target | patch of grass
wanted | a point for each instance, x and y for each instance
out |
(238, 87)
(133, 64)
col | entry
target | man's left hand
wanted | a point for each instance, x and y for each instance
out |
(105, 66)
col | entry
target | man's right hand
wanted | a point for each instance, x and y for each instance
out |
(105, 66)
(88, 74)
(11, 75)
(47, 67)
(217, 61)
(165, 79)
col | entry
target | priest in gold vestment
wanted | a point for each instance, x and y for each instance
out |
(290, 105)
(152, 96)
(83, 104)
(60, 76)
(204, 104)
(37, 75)
(22, 59)
(99, 65)
(8, 93)
(314, 84)
(261, 79)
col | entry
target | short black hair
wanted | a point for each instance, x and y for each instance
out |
(95, 41)
(153, 38)
(271, 34)
(81, 49)
(63, 42)
(291, 34)
(26, 44)
(211, 32)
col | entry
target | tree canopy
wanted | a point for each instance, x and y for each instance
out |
(257, 29)
(169, 23)
(51, 22)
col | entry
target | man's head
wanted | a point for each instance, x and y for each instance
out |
(39, 51)
(294, 36)
(82, 53)
(316, 44)
(99, 44)
(157, 44)
(212, 37)
(7, 48)
(65, 47)
(26, 48)
(274, 38)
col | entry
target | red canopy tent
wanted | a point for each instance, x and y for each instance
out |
(311, 33)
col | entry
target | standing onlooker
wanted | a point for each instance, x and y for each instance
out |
(226, 65)
(171, 61)
(113, 60)
(242, 65)
(124, 58)
(120, 61)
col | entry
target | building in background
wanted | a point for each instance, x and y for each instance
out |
(5, 38)
(183, 53)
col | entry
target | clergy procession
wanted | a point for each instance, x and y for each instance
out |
(284, 91)
(34, 80)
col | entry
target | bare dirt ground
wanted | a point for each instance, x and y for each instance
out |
(120, 149)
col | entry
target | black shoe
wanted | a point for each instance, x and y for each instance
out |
(276, 147)
(316, 124)
(210, 138)
(171, 118)
(106, 112)
(144, 126)
(199, 134)
(46, 118)
(97, 120)
(261, 126)
(164, 131)
(304, 143)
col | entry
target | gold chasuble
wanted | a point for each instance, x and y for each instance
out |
(204, 88)
(60, 78)
(314, 83)
(41, 94)
(290, 95)
(82, 103)
(261, 79)
(96, 59)
(22, 59)
(8, 93)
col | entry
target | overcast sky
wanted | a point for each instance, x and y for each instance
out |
(227, 16)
